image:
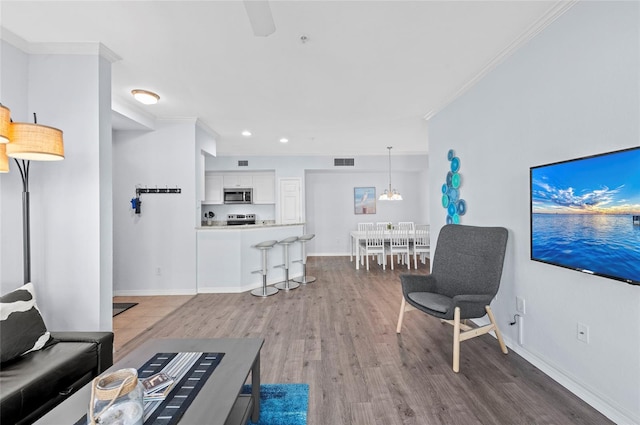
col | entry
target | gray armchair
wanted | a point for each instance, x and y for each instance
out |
(465, 277)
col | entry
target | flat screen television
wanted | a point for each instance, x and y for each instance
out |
(585, 214)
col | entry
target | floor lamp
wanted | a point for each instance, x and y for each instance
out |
(25, 142)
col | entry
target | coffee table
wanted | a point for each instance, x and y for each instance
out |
(219, 402)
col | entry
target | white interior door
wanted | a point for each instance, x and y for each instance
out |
(290, 201)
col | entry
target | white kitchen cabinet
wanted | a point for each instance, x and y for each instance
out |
(232, 180)
(213, 189)
(264, 188)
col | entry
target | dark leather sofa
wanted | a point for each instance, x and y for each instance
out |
(34, 383)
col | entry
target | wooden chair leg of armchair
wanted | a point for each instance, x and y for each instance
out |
(404, 307)
(401, 315)
(456, 340)
(503, 347)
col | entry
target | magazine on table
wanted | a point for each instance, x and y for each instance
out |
(157, 386)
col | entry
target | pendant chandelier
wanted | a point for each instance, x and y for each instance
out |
(390, 194)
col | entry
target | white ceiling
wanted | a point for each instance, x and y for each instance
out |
(365, 79)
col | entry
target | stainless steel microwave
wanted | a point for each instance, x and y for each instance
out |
(238, 196)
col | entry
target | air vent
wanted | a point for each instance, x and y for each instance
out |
(243, 163)
(343, 162)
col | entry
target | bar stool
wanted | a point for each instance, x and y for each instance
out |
(264, 291)
(286, 285)
(304, 279)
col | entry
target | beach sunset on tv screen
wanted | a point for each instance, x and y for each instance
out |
(585, 214)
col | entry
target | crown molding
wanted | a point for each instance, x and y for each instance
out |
(59, 48)
(553, 13)
(133, 112)
(210, 131)
(14, 39)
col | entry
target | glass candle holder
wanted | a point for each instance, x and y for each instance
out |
(116, 399)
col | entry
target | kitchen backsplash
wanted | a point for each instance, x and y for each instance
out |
(262, 212)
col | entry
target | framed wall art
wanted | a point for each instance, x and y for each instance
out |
(364, 200)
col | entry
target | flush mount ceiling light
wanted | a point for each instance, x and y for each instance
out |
(246, 133)
(390, 194)
(284, 140)
(5, 121)
(145, 96)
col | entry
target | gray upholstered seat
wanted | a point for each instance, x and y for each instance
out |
(465, 277)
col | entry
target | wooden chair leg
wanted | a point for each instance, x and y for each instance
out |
(456, 340)
(404, 307)
(401, 315)
(503, 347)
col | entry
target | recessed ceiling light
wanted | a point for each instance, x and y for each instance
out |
(145, 96)
(246, 133)
(284, 140)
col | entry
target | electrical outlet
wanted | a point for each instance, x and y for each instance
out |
(520, 305)
(582, 333)
(158, 271)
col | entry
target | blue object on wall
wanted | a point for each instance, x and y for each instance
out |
(451, 201)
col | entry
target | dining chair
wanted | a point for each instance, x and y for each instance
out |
(421, 244)
(363, 227)
(382, 225)
(399, 245)
(406, 224)
(374, 245)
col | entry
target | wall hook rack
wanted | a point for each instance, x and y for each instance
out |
(157, 190)
(136, 202)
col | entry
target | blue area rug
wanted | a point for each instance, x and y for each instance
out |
(282, 404)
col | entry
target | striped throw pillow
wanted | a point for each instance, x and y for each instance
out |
(21, 326)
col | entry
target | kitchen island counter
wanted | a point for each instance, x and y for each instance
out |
(245, 226)
(227, 260)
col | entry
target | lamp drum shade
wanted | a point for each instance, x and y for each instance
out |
(35, 142)
(4, 159)
(5, 121)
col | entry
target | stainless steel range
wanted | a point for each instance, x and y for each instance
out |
(240, 219)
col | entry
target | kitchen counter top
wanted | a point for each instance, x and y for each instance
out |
(245, 226)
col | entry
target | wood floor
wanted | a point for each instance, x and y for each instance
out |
(149, 311)
(338, 335)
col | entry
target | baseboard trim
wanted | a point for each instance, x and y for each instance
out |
(151, 292)
(600, 402)
(239, 289)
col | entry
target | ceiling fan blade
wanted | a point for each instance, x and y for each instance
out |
(260, 17)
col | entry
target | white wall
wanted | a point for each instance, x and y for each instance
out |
(69, 199)
(330, 207)
(205, 146)
(14, 65)
(328, 191)
(163, 236)
(570, 92)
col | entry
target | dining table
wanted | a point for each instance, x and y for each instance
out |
(360, 235)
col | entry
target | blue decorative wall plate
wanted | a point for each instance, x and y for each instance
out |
(462, 207)
(451, 201)
(455, 164)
